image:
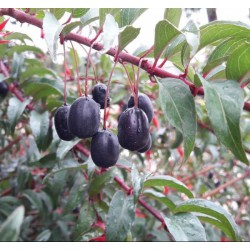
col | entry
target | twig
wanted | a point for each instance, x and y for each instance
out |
(6, 148)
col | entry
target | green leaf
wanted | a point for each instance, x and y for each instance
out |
(16, 65)
(65, 146)
(39, 124)
(168, 181)
(211, 209)
(218, 30)
(57, 12)
(129, 15)
(99, 182)
(165, 32)
(25, 48)
(178, 106)
(104, 11)
(15, 110)
(10, 228)
(110, 32)
(173, 15)
(69, 27)
(160, 197)
(120, 217)
(90, 16)
(43, 236)
(126, 36)
(18, 36)
(137, 183)
(34, 199)
(238, 63)
(36, 71)
(43, 87)
(185, 227)
(78, 12)
(52, 29)
(224, 104)
(192, 35)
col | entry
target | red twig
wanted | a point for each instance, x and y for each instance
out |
(9, 146)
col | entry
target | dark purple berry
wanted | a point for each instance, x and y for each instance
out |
(147, 147)
(105, 149)
(133, 129)
(4, 88)
(84, 117)
(99, 93)
(61, 123)
(144, 103)
(210, 175)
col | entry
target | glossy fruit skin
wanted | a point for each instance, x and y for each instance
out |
(99, 93)
(133, 129)
(147, 147)
(84, 117)
(4, 89)
(61, 123)
(105, 149)
(144, 103)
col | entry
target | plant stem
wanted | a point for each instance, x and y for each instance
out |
(77, 70)
(106, 96)
(9, 146)
(65, 75)
(129, 79)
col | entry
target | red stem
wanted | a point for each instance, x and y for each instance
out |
(137, 83)
(77, 70)
(148, 67)
(129, 79)
(87, 71)
(106, 97)
(9, 146)
(65, 75)
(163, 62)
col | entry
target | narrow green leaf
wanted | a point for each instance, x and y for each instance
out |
(34, 199)
(18, 36)
(10, 228)
(178, 106)
(185, 227)
(52, 29)
(173, 15)
(64, 147)
(15, 110)
(36, 71)
(224, 104)
(90, 16)
(39, 124)
(58, 12)
(129, 15)
(104, 11)
(137, 183)
(110, 32)
(211, 209)
(165, 32)
(69, 27)
(218, 30)
(126, 36)
(238, 63)
(168, 181)
(24, 48)
(79, 12)
(120, 217)
(160, 197)
(99, 182)
(43, 236)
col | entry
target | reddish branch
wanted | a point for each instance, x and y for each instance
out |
(6, 148)
(148, 67)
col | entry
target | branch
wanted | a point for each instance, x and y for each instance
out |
(6, 148)
(229, 183)
(123, 56)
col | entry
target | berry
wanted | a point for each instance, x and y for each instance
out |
(104, 149)
(3, 89)
(61, 123)
(84, 117)
(133, 129)
(99, 93)
(147, 146)
(210, 175)
(144, 103)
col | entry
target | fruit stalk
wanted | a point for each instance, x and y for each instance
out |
(65, 75)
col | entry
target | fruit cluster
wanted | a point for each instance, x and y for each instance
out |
(82, 120)
(3, 89)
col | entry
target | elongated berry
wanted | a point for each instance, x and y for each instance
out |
(133, 129)
(99, 93)
(144, 103)
(147, 147)
(105, 149)
(61, 123)
(84, 117)
(3, 89)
